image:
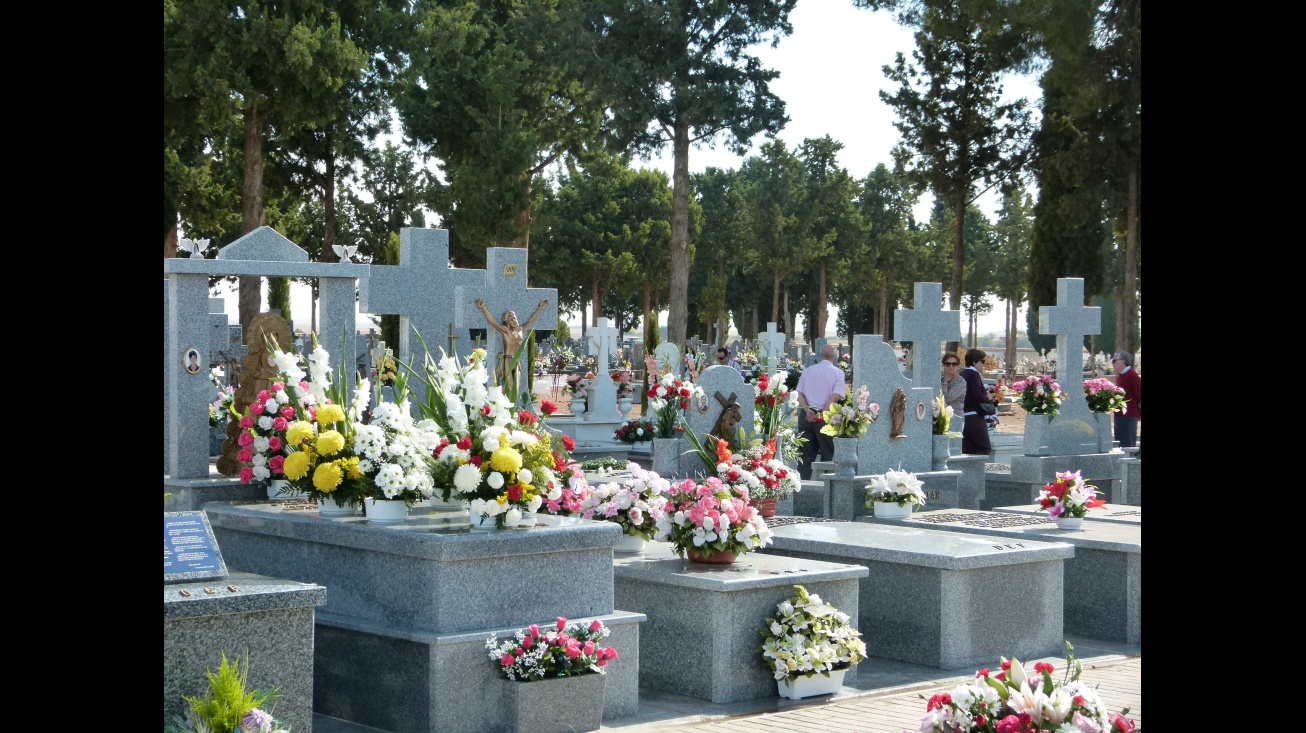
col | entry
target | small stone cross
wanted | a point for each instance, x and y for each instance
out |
(1071, 321)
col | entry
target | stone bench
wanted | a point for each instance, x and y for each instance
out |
(943, 601)
(1103, 581)
(400, 640)
(701, 637)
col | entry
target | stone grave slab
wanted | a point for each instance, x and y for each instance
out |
(1119, 513)
(1103, 581)
(940, 600)
(715, 611)
(1133, 484)
(876, 366)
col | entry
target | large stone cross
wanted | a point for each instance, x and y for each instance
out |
(419, 290)
(927, 325)
(505, 289)
(601, 341)
(771, 347)
(1071, 321)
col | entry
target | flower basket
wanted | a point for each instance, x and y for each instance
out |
(809, 645)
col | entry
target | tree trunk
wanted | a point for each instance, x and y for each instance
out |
(822, 311)
(646, 303)
(881, 319)
(721, 318)
(521, 223)
(251, 212)
(594, 310)
(170, 240)
(958, 253)
(1010, 354)
(678, 317)
(1133, 235)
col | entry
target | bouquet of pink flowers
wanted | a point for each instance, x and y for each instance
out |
(710, 517)
(634, 503)
(1069, 496)
(1039, 395)
(565, 651)
(1104, 396)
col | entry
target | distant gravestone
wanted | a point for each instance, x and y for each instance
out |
(815, 356)
(602, 339)
(703, 416)
(506, 289)
(927, 325)
(770, 347)
(875, 364)
(1075, 430)
(668, 358)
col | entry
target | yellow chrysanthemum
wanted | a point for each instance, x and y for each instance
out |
(296, 465)
(327, 414)
(299, 431)
(506, 460)
(330, 442)
(351, 467)
(501, 498)
(327, 477)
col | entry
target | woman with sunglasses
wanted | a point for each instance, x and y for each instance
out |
(953, 386)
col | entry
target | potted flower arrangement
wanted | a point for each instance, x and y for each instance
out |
(634, 503)
(773, 404)
(711, 521)
(1039, 395)
(809, 646)
(320, 460)
(569, 499)
(501, 462)
(849, 417)
(756, 469)
(895, 494)
(575, 392)
(638, 430)
(1104, 396)
(1015, 700)
(396, 453)
(555, 678)
(942, 430)
(1068, 499)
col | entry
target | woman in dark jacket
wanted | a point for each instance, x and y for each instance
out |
(975, 429)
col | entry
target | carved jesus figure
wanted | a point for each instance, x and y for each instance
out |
(898, 413)
(512, 340)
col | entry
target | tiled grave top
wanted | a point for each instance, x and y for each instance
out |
(1123, 513)
(914, 545)
(422, 535)
(252, 593)
(1111, 536)
(660, 565)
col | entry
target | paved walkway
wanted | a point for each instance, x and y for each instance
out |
(891, 709)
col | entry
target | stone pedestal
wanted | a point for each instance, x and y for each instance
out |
(267, 623)
(666, 457)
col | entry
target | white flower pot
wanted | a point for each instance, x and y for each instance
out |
(329, 508)
(280, 489)
(1069, 522)
(630, 545)
(385, 511)
(577, 407)
(810, 686)
(623, 405)
(892, 510)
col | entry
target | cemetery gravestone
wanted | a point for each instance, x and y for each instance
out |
(771, 346)
(703, 417)
(927, 326)
(876, 366)
(668, 359)
(603, 392)
(1075, 430)
(506, 289)
(418, 290)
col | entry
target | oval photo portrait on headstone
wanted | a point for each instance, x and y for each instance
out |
(192, 360)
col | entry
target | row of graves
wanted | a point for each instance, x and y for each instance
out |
(385, 626)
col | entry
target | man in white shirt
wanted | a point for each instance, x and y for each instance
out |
(819, 385)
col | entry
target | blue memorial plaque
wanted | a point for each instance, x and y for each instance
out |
(190, 551)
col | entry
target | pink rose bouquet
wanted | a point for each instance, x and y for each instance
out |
(1039, 395)
(711, 517)
(1104, 396)
(563, 651)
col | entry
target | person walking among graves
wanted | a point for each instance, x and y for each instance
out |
(952, 385)
(975, 428)
(723, 357)
(819, 384)
(1126, 423)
